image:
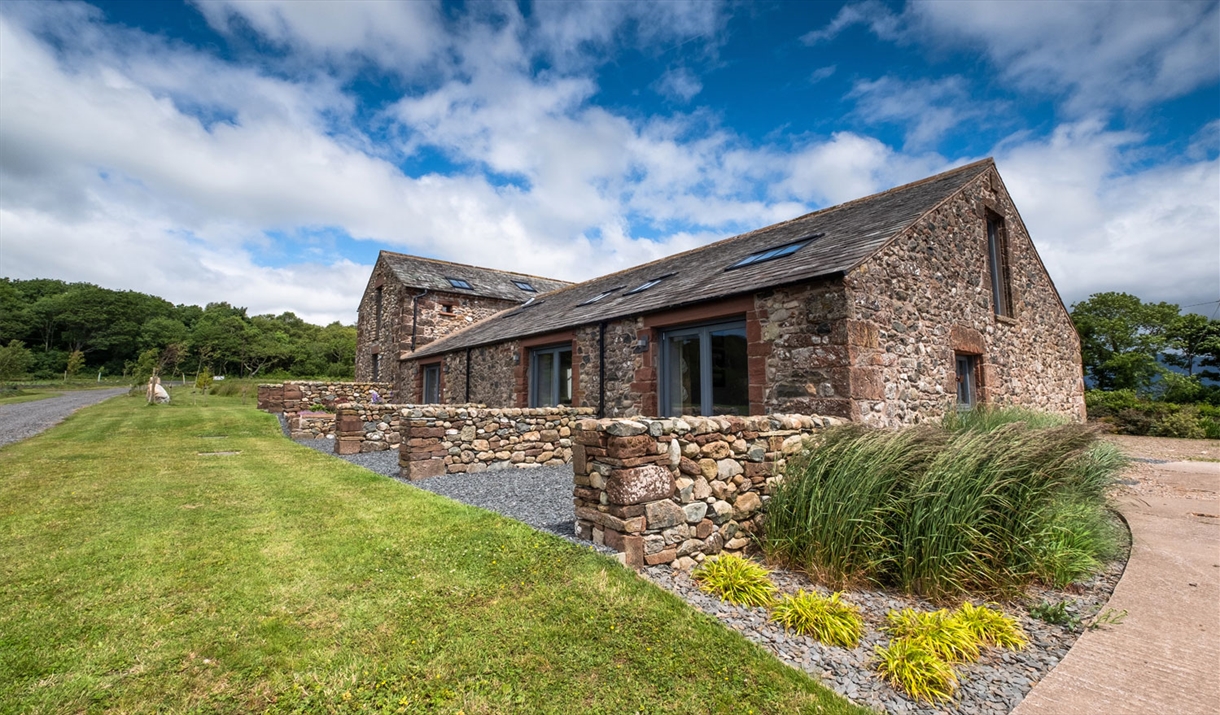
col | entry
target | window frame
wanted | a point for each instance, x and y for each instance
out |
(433, 370)
(376, 367)
(774, 253)
(556, 350)
(971, 382)
(377, 301)
(704, 331)
(459, 283)
(998, 265)
(525, 286)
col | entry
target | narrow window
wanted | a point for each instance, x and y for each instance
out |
(525, 286)
(704, 371)
(648, 284)
(377, 300)
(551, 377)
(601, 295)
(997, 261)
(967, 381)
(432, 384)
(376, 367)
(460, 283)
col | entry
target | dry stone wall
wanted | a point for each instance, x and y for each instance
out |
(289, 398)
(451, 439)
(677, 490)
(368, 428)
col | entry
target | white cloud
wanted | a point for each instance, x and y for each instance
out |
(678, 84)
(822, 73)
(929, 108)
(879, 18)
(1101, 226)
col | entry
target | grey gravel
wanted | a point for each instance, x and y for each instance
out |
(540, 496)
(26, 419)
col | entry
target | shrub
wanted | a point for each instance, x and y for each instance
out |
(991, 627)
(825, 618)
(1055, 614)
(736, 580)
(913, 667)
(943, 513)
(939, 631)
(1184, 423)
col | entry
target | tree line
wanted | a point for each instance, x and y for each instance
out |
(50, 328)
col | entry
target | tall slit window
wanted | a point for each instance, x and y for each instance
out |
(377, 302)
(704, 370)
(997, 261)
(376, 367)
(551, 376)
(432, 384)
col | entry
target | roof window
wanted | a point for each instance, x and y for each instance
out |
(647, 284)
(525, 286)
(601, 295)
(459, 283)
(773, 253)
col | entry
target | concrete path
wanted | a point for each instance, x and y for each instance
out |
(1164, 657)
(26, 419)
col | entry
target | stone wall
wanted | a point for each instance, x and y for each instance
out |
(289, 398)
(451, 439)
(677, 490)
(368, 428)
(928, 295)
(312, 425)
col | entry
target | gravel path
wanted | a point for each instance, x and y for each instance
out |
(26, 419)
(540, 497)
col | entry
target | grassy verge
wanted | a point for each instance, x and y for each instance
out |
(139, 575)
(981, 506)
(13, 397)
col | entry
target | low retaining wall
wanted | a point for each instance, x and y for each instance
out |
(368, 428)
(312, 425)
(665, 490)
(449, 439)
(292, 397)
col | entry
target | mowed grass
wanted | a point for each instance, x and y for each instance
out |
(28, 395)
(137, 575)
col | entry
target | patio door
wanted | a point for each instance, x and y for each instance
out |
(704, 370)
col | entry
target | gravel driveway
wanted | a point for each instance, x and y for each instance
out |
(26, 419)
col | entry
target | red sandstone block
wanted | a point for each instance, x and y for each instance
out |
(758, 469)
(589, 438)
(350, 423)
(348, 446)
(627, 447)
(635, 461)
(625, 512)
(424, 468)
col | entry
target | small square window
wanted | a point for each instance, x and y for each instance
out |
(525, 286)
(460, 283)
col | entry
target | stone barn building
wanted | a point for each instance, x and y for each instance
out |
(410, 302)
(889, 310)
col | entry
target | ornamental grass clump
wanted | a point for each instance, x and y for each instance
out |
(939, 632)
(828, 619)
(910, 665)
(736, 580)
(980, 509)
(991, 627)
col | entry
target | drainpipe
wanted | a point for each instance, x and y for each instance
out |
(601, 369)
(467, 375)
(415, 315)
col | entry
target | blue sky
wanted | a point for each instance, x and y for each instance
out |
(262, 153)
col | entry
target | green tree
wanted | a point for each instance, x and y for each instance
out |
(1120, 339)
(76, 361)
(1189, 338)
(15, 360)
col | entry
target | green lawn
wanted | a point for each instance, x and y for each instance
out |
(29, 395)
(137, 575)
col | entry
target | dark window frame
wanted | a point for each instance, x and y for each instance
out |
(704, 330)
(376, 367)
(430, 370)
(556, 378)
(774, 253)
(966, 370)
(377, 300)
(650, 283)
(998, 265)
(525, 286)
(459, 283)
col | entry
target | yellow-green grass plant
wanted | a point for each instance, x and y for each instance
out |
(736, 579)
(909, 664)
(940, 632)
(828, 619)
(991, 626)
(141, 576)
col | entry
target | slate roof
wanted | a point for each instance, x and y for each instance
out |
(429, 273)
(846, 235)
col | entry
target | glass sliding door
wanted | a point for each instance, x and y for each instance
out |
(551, 377)
(704, 371)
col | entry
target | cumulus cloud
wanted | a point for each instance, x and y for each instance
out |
(929, 108)
(678, 84)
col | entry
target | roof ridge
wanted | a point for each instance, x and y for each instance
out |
(471, 265)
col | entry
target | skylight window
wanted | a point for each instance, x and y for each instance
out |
(647, 284)
(459, 283)
(601, 295)
(525, 286)
(773, 253)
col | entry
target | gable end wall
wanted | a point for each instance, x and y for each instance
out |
(928, 295)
